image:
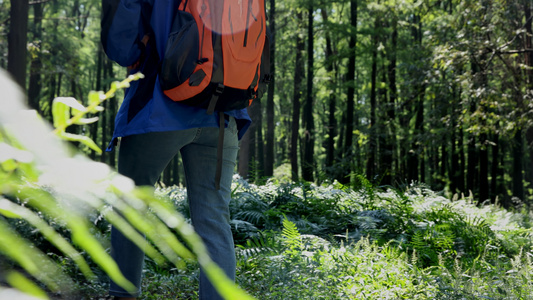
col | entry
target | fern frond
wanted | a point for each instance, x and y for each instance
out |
(262, 244)
(291, 234)
(255, 217)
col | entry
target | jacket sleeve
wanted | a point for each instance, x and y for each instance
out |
(122, 30)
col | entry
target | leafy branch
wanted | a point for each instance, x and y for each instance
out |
(68, 111)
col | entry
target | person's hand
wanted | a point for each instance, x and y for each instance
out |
(136, 65)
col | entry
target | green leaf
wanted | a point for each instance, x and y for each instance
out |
(60, 113)
(20, 282)
(9, 165)
(95, 98)
(48, 232)
(71, 102)
(85, 121)
(29, 258)
(87, 141)
(9, 214)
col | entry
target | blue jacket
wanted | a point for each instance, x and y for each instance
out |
(145, 108)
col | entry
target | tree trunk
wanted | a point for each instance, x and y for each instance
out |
(416, 161)
(297, 94)
(247, 153)
(454, 170)
(372, 140)
(496, 185)
(98, 87)
(308, 161)
(259, 145)
(390, 136)
(472, 163)
(107, 118)
(269, 149)
(35, 87)
(529, 63)
(347, 153)
(462, 168)
(483, 169)
(17, 41)
(518, 163)
(332, 102)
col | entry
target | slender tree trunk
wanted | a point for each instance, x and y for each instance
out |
(454, 170)
(518, 164)
(295, 128)
(483, 169)
(107, 118)
(308, 161)
(443, 164)
(462, 175)
(332, 101)
(35, 87)
(390, 136)
(17, 41)
(113, 109)
(98, 87)
(350, 101)
(47, 111)
(529, 63)
(247, 153)
(269, 149)
(260, 145)
(372, 140)
(416, 160)
(472, 164)
(496, 185)
(416, 164)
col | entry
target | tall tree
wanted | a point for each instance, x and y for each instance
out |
(297, 95)
(269, 145)
(390, 109)
(36, 65)
(17, 41)
(528, 57)
(371, 162)
(332, 100)
(308, 160)
(350, 93)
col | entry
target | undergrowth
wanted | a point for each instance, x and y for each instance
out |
(302, 241)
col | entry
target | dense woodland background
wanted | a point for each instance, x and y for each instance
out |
(432, 91)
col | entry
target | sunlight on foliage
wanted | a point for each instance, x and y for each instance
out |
(68, 111)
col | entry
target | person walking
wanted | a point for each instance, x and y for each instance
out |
(150, 129)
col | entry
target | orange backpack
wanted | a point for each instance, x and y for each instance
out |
(217, 54)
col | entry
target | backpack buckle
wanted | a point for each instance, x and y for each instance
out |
(219, 89)
(252, 93)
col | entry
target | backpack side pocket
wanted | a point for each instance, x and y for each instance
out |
(181, 52)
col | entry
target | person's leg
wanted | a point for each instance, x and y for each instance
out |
(210, 207)
(142, 158)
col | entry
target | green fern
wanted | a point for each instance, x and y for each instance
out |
(291, 235)
(264, 244)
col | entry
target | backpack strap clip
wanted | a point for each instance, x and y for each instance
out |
(213, 102)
